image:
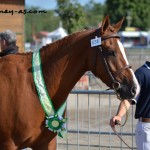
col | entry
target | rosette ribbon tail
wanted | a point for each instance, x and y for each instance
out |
(63, 134)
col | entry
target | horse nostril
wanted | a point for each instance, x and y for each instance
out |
(133, 90)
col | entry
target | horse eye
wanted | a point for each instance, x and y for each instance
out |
(110, 54)
(113, 54)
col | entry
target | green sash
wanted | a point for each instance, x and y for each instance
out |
(54, 120)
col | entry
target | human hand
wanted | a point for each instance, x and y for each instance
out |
(116, 120)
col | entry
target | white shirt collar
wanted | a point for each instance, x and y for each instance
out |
(147, 66)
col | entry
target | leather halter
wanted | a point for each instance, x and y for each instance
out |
(115, 84)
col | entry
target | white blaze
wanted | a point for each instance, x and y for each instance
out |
(123, 51)
(125, 58)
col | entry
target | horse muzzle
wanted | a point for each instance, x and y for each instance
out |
(124, 91)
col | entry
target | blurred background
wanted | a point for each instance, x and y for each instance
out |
(38, 23)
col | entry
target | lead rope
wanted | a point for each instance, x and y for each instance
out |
(126, 114)
(118, 123)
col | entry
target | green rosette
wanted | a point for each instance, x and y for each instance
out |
(56, 123)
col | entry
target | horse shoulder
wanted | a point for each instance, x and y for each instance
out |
(19, 100)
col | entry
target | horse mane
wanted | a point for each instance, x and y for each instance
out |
(64, 41)
(60, 42)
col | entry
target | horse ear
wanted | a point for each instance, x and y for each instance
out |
(118, 25)
(105, 24)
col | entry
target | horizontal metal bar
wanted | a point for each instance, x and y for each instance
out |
(104, 133)
(102, 146)
(92, 92)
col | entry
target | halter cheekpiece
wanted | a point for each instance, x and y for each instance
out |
(115, 84)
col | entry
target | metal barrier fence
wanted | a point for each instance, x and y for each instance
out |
(88, 114)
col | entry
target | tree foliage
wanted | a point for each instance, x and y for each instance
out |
(138, 12)
(94, 13)
(76, 17)
(40, 22)
(71, 14)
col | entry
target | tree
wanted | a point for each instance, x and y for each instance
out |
(40, 22)
(71, 14)
(94, 13)
(136, 13)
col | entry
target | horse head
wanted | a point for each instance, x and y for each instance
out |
(111, 64)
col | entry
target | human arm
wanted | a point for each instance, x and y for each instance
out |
(123, 107)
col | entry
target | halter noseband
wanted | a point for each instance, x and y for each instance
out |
(115, 84)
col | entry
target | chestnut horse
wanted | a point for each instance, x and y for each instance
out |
(22, 119)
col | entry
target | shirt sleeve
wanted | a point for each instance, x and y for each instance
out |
(139, 77)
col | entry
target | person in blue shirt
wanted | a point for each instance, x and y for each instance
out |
(142, 112)
(8, 43)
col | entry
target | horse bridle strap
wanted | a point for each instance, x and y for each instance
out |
(106, 64)
(110, 36)
(120, 70)
(113, 80)
(109, 72)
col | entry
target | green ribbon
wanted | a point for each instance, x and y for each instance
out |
(54, 120)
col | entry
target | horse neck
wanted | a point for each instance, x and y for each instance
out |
(63, 64)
